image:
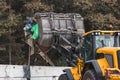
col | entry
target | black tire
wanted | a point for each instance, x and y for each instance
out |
(89, 75)
(63, 77)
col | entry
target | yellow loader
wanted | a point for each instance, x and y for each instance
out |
(99, 57)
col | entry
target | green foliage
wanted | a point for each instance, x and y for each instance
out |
(37, 6)
(11, 21)
(99, 13)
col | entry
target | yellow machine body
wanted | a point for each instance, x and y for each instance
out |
(106, 63)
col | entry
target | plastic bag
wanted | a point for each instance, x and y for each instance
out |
(35, 31)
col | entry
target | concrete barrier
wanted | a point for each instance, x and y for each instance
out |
(23, 72)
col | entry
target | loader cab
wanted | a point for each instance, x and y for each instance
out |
(98, 39)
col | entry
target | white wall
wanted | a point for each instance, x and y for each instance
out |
(20, 72)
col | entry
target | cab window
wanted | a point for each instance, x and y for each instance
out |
(88, 47)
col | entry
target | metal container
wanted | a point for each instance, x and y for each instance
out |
(58, 23)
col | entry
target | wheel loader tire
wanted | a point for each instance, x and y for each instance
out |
(89, 75)
(63, 77)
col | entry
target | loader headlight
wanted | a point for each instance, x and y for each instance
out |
(118, 33)
(111, 71)
(97, 33)
(108, 72)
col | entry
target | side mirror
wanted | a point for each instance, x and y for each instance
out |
(82, 52)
